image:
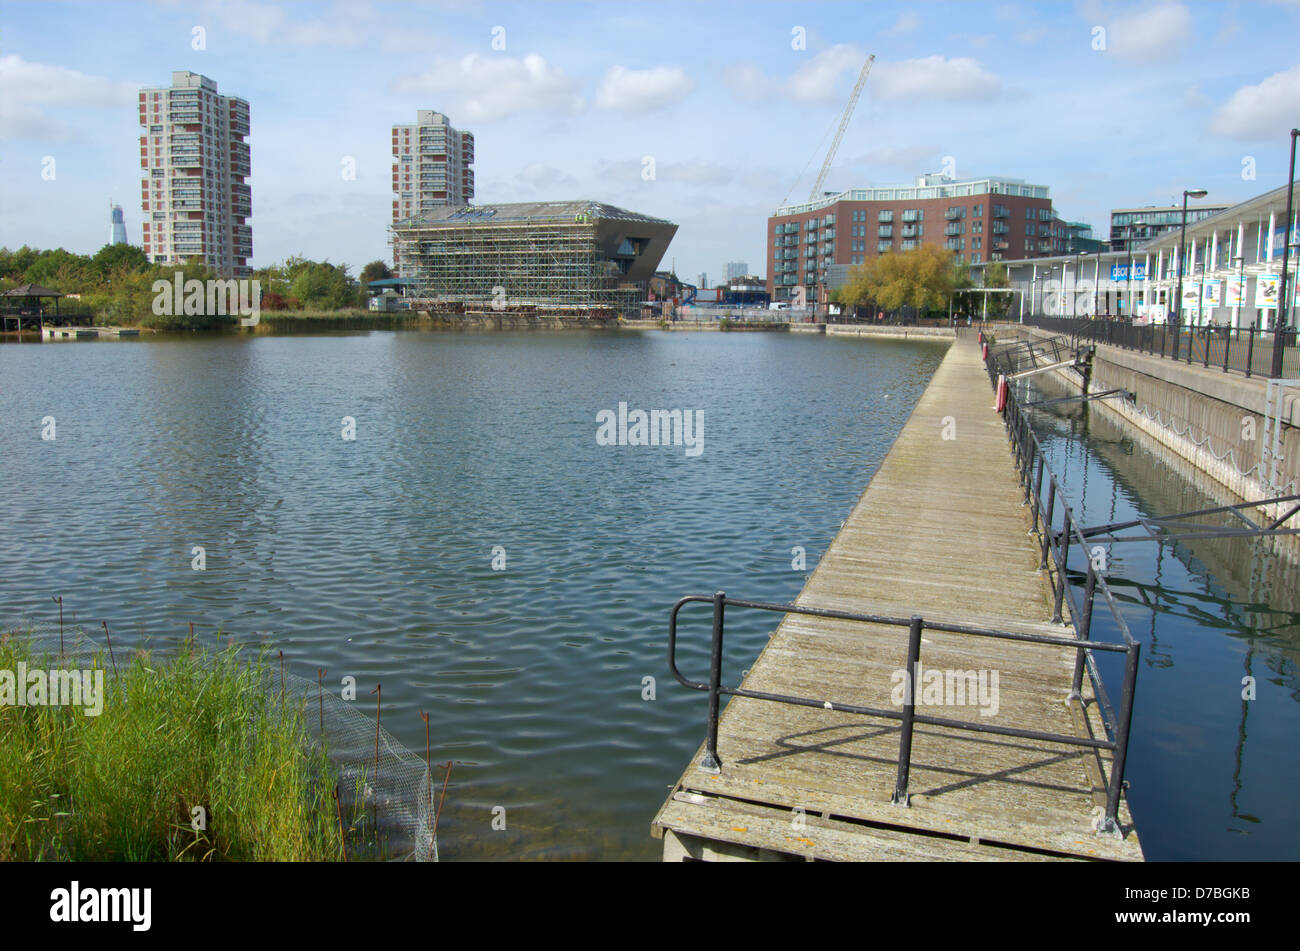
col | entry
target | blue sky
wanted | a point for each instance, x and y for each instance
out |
(1109, 104)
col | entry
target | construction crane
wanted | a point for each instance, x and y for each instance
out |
(844, 124)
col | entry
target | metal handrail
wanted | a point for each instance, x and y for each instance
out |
(1165, 340)
(908, 715)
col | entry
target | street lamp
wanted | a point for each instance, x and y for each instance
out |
(1285, 296)
(1182, 243)
(1074, 297)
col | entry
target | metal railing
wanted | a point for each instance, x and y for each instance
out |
(1055, 551)
(1247, 350)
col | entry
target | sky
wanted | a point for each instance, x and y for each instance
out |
(709, 114)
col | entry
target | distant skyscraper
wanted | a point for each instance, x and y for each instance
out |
(117, 225)
(737, 269)
(704, 279)
(431, 166)
(196, 203)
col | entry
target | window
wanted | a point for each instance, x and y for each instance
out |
(886, 231)
(913, 214)
(887, 217)
(978, 211)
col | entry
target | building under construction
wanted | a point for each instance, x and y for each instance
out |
(580, 258)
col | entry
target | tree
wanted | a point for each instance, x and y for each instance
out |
(995, 275)
(375, 271)
(111, 257)
(322, 285)
(923, 279)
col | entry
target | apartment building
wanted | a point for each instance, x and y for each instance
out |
(195, 163)
(980, 220)
(1130, 228)
(431, 167)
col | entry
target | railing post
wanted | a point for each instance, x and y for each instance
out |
(901, 796)
(1060, 568)
(711, 761)
(1250, 347)
(1116, 784)
(1227, 345)
(1047, 522)
(1038, 488)
(1084, 634)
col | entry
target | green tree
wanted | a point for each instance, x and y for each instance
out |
(375, 271)
(112, 257)
(923, 279)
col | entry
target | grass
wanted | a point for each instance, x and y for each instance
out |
(196, 729)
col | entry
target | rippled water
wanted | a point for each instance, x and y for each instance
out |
(373, 557)
(1212, 775)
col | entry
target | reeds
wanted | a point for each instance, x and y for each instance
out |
(193, 758)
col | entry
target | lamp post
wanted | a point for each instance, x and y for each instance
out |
(1132, 310)
(1182, 245)
(1282, 323)
(1074, 291)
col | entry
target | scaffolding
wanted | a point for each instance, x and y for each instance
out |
(579, 258)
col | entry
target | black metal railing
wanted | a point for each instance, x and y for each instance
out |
(1054, 553)
(1247, 350)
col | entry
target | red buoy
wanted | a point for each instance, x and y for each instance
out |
(1001, 404)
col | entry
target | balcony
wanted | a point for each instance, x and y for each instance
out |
(953, 214)
(911, 231)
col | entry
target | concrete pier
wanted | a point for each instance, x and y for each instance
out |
(942, 533)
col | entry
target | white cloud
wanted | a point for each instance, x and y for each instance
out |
(816, 81)
(1153, 33)
(643, 90)
(934, 79)
(689, 172)
(494, 87)
(906, 23)
(747, 82)
(30, 87)
(909, 158)
(543, 176)
(1267, 109)
(267, 23)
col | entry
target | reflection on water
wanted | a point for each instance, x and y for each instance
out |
(1212, 775)
(373, 558)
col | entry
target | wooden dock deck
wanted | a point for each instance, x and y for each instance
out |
(941, 532)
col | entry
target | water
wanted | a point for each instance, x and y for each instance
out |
(1212, 776)
(373, 558)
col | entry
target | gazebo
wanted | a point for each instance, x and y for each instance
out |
(23, 304)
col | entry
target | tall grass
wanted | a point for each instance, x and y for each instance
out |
(198, 729)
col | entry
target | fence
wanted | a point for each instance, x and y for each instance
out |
(1247, 350)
